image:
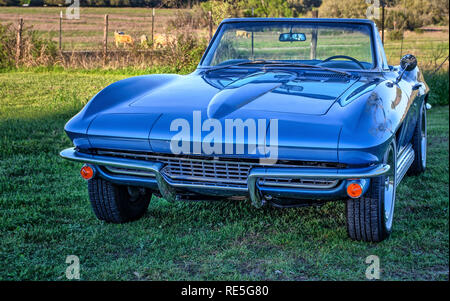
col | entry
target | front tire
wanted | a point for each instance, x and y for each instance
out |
(370, 217)
(115, 203)
(419, 143)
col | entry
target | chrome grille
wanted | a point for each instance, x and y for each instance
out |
(199, 170)
(211, 171)
(301, 183)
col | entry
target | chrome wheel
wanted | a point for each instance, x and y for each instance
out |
(389, 188)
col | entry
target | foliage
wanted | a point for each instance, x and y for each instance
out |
(185, 53)
(439, 87)
(303, 6)
(399, 14)
(395, 35)
(9, 2)
(35, 50)
(267, 8)
(7, 42)
(194, 19)
(343, 9)
(220, 9)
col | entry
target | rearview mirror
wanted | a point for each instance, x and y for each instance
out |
(292, 37)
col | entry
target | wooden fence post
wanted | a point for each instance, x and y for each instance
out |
(105, 39)
(153, 23)
(60, 30)
(382, 21)
(19, 42)
(401, 46)
(312, 54)
(210, 24)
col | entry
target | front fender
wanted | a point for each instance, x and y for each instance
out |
(116, 94)
(370, 122)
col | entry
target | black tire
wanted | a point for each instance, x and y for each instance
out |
(115, 203)
(366, 219)
(420, 150)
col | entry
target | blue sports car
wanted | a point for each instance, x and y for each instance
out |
(284, 112)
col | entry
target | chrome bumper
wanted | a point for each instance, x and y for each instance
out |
(168, 191)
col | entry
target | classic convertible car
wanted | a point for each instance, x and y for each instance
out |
(282, 112)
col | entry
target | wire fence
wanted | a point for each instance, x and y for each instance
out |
(147, 30)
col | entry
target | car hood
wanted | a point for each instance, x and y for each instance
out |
(298, 104)
(271, 91)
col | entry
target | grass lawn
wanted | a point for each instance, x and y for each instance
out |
(45, 213)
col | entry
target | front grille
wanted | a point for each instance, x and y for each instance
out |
(301, 183)
(207, 171)
(211, 171)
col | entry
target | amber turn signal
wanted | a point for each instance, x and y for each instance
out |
(87, 172)
(354, 190)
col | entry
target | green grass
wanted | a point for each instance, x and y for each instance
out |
(45, 213)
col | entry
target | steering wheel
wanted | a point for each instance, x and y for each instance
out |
(343, 57)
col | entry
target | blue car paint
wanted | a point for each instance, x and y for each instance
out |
(342, 120)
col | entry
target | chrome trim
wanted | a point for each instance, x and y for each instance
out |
(211, 171)
(404, 161)
(302, 183)
(126, 171)
(73, 155)
(167, 191)
(167, 188)
(312, 173)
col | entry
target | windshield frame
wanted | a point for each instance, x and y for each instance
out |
(374, 49)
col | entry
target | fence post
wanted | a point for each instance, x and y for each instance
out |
(60, 30)
(153, 23)
(401, 46)
(210, 24)
(312, 54)
(19, 42)
(382, 21)
(105, 39)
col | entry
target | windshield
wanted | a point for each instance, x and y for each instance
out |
(332, 45)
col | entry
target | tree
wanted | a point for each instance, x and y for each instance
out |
(267, 8)
(343, 9)
(9, 2)
(303, 6)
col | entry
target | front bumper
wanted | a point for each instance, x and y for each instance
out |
(168, 189)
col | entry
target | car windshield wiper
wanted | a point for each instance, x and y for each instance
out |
(280, 64)
(256, 62)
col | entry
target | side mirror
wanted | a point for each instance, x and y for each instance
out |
(407, 63)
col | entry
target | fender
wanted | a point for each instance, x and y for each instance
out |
(113, 95)
(370, 122)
